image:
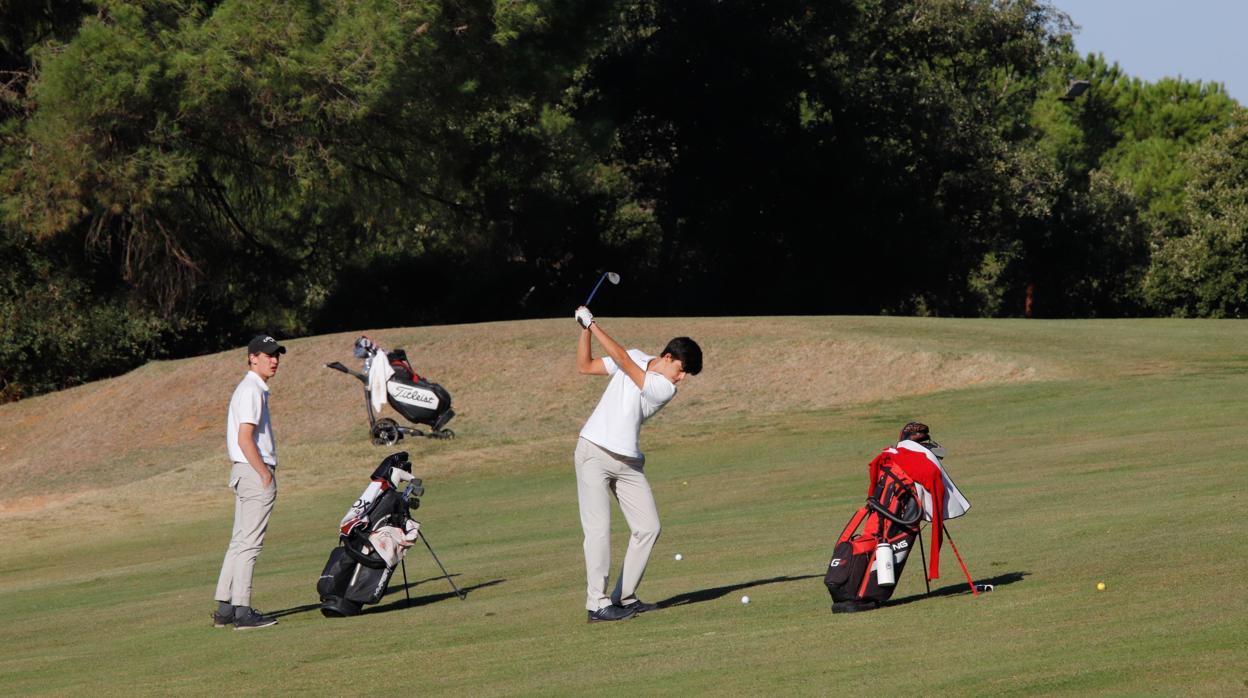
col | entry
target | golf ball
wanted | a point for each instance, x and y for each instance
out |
(745, 599)
(1100, 586)
(679, 556)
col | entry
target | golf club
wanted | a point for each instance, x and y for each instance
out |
(610, 276)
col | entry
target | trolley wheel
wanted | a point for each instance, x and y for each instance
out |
(386, 432)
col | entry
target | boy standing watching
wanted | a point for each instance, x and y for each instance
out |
(253, 477)
(608, 461)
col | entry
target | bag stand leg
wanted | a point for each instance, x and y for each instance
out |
(923, 556)
(944, 528)
(446, 574)
(405, 591)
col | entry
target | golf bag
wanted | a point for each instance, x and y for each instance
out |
(418, 400)
(865, 566)
(373, 539)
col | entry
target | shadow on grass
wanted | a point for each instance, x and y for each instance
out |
(400, 588)
(716, 592)
(293, 610)
(390, 591)
(400, 604)
(962, 588)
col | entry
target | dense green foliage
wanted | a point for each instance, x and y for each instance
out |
(1202, 270)
(180, 173)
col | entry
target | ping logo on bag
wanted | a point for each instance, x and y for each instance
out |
(836, 562)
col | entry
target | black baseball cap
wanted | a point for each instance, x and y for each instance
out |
(263, 343)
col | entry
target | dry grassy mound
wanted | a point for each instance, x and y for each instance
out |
(511, 383)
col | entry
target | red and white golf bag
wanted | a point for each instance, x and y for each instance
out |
(865, 566)
(907, 486)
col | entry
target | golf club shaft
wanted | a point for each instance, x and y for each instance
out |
(959, 556)
(446, 574)
(591, 293)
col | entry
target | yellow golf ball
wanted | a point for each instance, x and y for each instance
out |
(1100, 586)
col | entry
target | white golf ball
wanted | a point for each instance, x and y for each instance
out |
(745, 599)
(679, 556)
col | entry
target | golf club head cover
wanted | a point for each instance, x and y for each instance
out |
(584, 317)
(393, 462)
(399, 476)
(411, 531)
(364, 347)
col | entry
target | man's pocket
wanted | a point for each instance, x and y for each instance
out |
(247, 483)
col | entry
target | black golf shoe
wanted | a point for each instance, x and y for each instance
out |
(221, 621)
(639, 606)
(611, 612)
(251, 618)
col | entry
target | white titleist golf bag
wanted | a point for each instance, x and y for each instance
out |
(374, 537)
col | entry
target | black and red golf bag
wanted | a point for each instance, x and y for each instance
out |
(890, 518)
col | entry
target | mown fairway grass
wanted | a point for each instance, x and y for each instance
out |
(1091, 451)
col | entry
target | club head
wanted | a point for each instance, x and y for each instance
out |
(607, 276)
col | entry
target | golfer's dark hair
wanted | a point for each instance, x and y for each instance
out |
(688, 352)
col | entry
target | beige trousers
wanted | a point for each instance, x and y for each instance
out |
(253, 502)
(599, 475)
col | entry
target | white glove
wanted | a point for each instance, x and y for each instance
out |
(584, 317)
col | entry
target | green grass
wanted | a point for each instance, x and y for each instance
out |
(1124, 465)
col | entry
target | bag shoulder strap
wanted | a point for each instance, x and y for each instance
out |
(852, 525)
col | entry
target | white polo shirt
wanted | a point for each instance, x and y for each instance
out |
(250, 405)
(616, 422)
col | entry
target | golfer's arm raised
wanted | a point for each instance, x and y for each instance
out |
(247, 442)
(586, 364)
(616, 352)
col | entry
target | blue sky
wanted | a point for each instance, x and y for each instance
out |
(1152, 39)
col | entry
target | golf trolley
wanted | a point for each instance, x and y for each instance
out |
(373, 540)
(418, 400)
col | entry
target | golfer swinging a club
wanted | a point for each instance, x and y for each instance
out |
(609, 462)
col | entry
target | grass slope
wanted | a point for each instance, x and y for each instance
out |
(1091, 451)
